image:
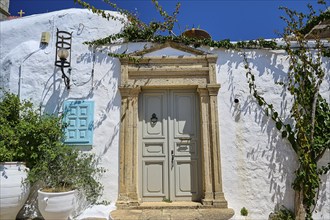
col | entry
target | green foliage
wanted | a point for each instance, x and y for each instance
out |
(314, 20)
(24, 133)
(244, 211)
(167, 200)
(282, 214)
(136, 30)
(64, 168)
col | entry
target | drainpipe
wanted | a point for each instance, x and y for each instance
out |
(20, 79)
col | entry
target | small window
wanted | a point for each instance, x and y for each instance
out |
(79, 118)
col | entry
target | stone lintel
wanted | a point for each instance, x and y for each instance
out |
(156, 60)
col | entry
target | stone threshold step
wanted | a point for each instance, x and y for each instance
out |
(170, 205)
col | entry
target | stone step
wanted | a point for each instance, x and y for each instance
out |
(169, 205)
(172, 214)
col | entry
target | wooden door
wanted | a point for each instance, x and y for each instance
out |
(169, 146)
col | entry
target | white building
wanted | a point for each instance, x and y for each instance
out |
(167, 158)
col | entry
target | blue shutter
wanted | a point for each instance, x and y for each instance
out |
(79, 116)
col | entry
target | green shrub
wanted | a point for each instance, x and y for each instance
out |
(282, 214)
(24, 133)
(244, 211)
(27, 135)
(64, 169)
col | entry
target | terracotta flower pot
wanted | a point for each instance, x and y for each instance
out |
(196, 33)
(13, 190)
(56, 205)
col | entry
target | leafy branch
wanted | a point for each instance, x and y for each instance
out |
(309, 135)
(269, 110)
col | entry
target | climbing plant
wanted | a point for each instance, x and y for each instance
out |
(309, 134)
(136, 30)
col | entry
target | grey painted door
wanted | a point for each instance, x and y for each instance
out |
(169, 146)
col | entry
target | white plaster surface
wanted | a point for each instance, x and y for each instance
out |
(257, 164)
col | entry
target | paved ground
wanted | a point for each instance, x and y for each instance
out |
(172, 211)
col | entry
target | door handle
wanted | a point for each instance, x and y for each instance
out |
(172, 158)
(185, 139)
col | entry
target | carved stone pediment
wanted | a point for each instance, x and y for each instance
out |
(169, 64)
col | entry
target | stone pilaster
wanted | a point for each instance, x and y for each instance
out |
(205, 147)
(212, 73)
(219, 199)
(128, 147)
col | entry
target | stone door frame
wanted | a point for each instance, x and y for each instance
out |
(158, 72)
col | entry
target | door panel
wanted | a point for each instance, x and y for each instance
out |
(186, 149)
(154, 178)
(153, 149)
(169, 148)
(184, 114)
(185, 170)
(154, 104)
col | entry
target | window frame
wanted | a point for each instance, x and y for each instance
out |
(79, 104)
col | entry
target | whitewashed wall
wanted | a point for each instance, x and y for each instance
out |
(257, 165)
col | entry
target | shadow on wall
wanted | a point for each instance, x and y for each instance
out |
(54, 92)
(106, 86)
(275, 153)
(54, 89)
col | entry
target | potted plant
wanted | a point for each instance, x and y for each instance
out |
(25, 137)
(63, 173)
(198, 34)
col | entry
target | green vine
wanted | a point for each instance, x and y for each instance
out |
(314, 20)
(136, 30)
(309, 134)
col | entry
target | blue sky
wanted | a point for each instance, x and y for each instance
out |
(223, 19)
